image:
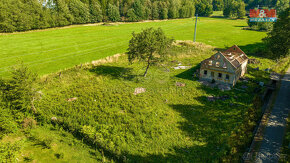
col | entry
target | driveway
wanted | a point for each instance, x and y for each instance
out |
(274, 133)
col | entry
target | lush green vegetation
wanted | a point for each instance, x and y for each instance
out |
(233, 8)
(96, 104)
(150, 46)
(278, 41)
(90, 112)
(23, 15)
(55, 49)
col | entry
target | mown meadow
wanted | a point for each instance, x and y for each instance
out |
(51, 50)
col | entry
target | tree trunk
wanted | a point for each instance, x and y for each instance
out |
(148, 64)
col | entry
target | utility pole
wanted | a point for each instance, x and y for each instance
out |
(195, 28)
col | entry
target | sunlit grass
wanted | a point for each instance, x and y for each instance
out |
(50, 50)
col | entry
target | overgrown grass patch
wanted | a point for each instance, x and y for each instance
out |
(165, 123)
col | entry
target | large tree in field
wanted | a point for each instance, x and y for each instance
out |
(278, 39)
(149, 46)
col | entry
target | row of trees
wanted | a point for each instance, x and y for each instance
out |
(280, 5)
(23, 15)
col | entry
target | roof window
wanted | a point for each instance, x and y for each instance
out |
(210, 63)
(217, 64)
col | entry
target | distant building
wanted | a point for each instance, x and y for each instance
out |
(225, 67)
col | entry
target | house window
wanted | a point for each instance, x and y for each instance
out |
(225, 65)
(217, 64)
(205, 72)
(210, 63)
(212, 74)
(228, 77)
(220, 75)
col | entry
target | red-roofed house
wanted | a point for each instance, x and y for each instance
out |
(225, 67)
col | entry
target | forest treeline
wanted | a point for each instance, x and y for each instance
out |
(23, 15)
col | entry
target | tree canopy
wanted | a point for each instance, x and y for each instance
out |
(23, 15)
(149, 46)
(234, 8)
(278, 40)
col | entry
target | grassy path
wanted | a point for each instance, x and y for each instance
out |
(55, 49)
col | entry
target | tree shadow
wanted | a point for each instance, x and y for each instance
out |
(240, 26)
(188, 74)
(222, 17)
(114, 72)
(257, 49)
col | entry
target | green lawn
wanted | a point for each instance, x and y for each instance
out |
(52, 50)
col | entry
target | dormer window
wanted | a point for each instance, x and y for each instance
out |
(210, 63)
(217, 64)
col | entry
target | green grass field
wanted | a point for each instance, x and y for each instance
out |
(52, 50)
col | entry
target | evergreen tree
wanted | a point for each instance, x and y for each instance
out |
(80, 11)
(234, 8)
(173, 9)
(241, 12)
(139, 10)
(163, 11)
(95, 11)
(204, 8)
(64, 17)
(282, 5)
(278, 40)
(20, 90)
(218, 5)
(113, 13)
(155, 10)
(131, 16)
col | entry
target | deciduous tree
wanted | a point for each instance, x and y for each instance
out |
(149, 46)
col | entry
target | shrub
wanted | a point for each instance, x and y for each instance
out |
(59, 155)
(9, 151)
(29, 123)
(20, 90)
(7, 123)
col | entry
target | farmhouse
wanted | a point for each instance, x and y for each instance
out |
(225, 67)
